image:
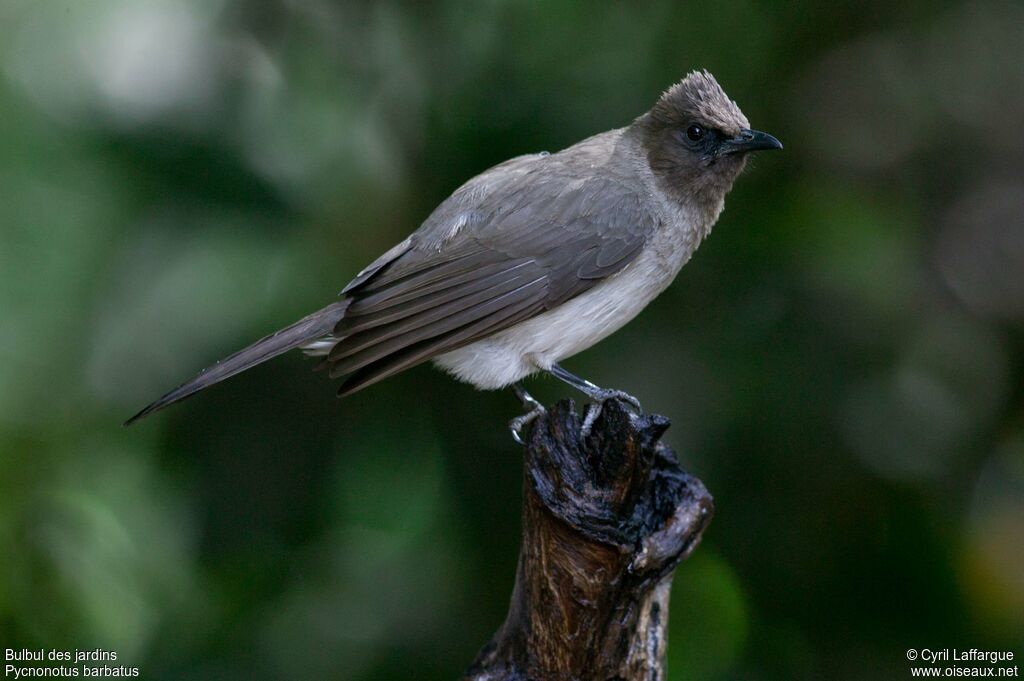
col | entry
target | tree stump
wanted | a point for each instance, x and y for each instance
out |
(607, 516)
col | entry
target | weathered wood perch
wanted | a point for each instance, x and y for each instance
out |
(607, 517)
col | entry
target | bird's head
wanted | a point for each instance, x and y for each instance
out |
(697, 139)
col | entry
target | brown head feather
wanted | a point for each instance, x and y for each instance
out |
(693, 173)
(700, 99)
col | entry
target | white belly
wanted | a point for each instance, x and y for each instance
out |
(537, 343)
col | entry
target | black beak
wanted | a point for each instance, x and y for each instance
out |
(749, 140)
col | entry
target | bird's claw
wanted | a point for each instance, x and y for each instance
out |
(605, 394)
(596, 393)
(517, 424)
(599, 395)
(602, 395)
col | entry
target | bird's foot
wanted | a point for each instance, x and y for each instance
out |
(517, 424)
(596, 393)
(528, 400)
(602, 395)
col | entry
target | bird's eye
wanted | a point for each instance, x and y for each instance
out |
(695, 133)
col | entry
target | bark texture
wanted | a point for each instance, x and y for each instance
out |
(607, 516)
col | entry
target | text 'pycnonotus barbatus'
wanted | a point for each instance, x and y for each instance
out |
(531, 261)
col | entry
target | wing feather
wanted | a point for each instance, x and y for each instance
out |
(375, 301)
(410, 356)
(368, 330)
(495, 308)
(512, 243)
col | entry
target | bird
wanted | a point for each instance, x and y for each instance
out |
(532, 261)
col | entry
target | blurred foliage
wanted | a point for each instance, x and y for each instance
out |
(841, 360)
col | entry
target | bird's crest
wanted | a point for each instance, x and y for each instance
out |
(699, 97)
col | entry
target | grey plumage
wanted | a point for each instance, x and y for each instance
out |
(483, 285)
(268, 347)
(544, 238)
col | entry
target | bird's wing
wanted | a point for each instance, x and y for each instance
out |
(512, 243)
(448, 219)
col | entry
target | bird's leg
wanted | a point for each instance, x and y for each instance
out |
(517, 424)
(590, 390)
(528, 400)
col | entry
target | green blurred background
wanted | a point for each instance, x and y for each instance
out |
(841, 360)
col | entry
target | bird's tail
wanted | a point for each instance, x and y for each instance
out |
(306, 330)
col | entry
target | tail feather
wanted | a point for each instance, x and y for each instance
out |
(306, 330)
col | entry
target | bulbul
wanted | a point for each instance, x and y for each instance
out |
(532, 261)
